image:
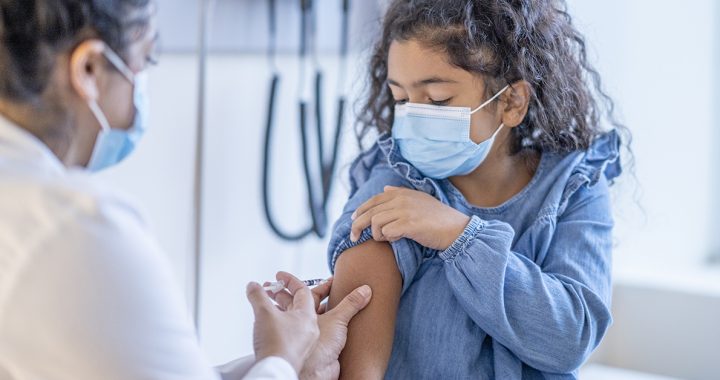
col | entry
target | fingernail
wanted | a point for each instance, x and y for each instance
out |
(365, 291)
(353, 216)
(353, 238)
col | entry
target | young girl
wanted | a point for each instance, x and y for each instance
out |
(481, 217)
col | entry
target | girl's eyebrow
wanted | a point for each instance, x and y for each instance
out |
(424, 82)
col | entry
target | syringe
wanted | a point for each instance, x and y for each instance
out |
(278, 286)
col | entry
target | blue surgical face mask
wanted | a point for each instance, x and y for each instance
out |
(436, 139)
(114, 145)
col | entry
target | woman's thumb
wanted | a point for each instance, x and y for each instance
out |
(357, 300)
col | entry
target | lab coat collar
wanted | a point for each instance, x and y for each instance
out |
(17, 143)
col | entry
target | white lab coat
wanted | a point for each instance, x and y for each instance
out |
(85, 291)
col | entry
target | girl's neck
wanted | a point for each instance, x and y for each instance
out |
(500, 177)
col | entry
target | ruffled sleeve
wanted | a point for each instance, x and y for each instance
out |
(602, 159)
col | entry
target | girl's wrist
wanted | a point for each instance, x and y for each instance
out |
(455, 230)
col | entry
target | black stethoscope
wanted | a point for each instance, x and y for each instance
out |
(317, 203)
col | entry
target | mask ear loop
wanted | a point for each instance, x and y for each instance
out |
(125, 70)
(490, 100)
(104, 128)
(99, 115)
(497, 131)
(119, 64)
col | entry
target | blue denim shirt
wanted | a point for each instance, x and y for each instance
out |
(524, 292)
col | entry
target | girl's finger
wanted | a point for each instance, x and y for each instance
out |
(371, 203)
(365, 220)
(379, 221)
(393, 188)
(395, 230)
(376, 234)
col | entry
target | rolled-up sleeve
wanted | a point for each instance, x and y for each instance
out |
(408, 254)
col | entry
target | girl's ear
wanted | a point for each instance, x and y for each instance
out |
(516, 100)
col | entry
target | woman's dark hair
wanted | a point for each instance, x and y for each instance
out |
(33, 32)
(503, 41)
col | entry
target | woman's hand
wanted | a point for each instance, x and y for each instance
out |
(290, 333)
(323, 362)
(400, 213)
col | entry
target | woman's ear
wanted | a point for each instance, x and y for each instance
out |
(85, 63)
(516, 100)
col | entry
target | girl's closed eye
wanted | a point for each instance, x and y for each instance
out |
(433, 102)
(440, 102)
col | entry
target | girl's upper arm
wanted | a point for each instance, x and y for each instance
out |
(371, 332)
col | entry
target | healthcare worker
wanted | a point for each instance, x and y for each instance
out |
(85, 291)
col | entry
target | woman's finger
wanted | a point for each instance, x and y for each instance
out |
(292, 283)
(261, 303)
(283, 298)
(273, 296)
(302, 298)
(322, 309)
(321, 292)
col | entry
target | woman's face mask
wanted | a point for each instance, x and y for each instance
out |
(113, 145)
(436, 139)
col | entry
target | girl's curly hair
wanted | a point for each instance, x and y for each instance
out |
(504, 41)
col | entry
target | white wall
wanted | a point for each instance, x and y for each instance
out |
(658, 62)
(656, 58)
(666, 330)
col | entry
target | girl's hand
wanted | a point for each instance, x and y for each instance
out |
(400, 213)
